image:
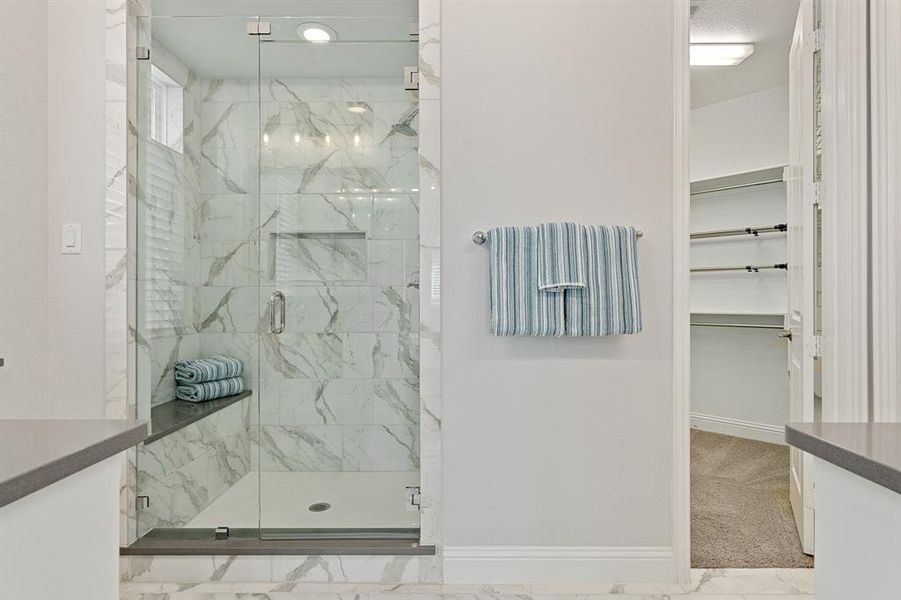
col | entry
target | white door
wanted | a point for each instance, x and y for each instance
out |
(800, 318)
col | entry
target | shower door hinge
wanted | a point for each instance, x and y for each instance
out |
(814, 41)
(142, 53)
(815, 195)
(413, 31)
(259, 28)
(411, 78)
(412, 499)
(814, 346)
(142, 501)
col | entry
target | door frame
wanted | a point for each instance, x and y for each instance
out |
(681, 501)
(885, 184)
(846, 326)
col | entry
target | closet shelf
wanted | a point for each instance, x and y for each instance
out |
(740, 313)
(738, 325)
(738, 181)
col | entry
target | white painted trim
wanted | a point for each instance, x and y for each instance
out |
(885, 120)
(845, 212)
(557, 564)
(681, 499)
(762, 432)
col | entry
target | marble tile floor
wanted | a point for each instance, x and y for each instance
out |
(358, 500)
(706, 584)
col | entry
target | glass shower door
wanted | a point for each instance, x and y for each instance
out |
(338, 432)
(278, 223)
(197, 249)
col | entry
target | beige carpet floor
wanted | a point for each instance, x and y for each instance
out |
(740, 510)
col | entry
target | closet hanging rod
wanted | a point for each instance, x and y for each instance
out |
(480, 237)
(738, 325)
(755, 231)
(746, 268)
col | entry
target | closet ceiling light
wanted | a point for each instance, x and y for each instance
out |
(718, 55)
(316, 33)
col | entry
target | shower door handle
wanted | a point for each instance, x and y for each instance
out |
(277, 302)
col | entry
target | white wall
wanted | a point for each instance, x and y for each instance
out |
(556, 442)
(76, 92)
(743, 134)
(52, 322)
(23, 209)
(739, 380)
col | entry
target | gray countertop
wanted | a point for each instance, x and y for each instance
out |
(870, 450)
(35, 454)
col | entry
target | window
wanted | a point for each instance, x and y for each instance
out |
(166, 110)
(163, 212)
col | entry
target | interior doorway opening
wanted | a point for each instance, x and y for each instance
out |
(754, 298)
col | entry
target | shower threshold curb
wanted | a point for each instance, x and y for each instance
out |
(187, 542)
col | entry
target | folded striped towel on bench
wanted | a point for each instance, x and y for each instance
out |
(209, 390)
(208, 369)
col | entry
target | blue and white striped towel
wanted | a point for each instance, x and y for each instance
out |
(610, 304)
(518, 307)
(208, 369)
(209, 390)
(561, 257)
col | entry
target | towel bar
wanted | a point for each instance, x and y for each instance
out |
(480, 237)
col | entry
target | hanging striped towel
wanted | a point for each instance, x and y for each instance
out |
(518, 307)
(561, 259)
(208, 369)
(610, 304)
(209, 390)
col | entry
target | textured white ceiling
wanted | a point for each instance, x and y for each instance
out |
(767, 23)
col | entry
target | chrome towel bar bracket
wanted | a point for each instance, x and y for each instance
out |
(480, 237)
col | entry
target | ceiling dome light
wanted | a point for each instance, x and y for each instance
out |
(358, 107)
(316, 33)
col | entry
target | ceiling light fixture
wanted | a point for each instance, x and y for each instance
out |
(316, 33)
(358, 107)
(719, 55)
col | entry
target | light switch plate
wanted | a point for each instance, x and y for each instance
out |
(71, 238)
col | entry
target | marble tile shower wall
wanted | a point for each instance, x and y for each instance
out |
(335, 228)
(184, 472)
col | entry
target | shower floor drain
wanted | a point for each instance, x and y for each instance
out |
(320, 507)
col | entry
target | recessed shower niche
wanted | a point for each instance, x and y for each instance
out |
(279, 225)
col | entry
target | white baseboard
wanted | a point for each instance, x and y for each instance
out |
(557, 564)
(761, 432)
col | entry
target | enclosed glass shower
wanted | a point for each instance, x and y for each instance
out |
(278, 223)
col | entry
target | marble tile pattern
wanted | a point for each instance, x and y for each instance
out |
(119, 209)
(301, 195)
(430, 275)
(395, 578)
(185, 471)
